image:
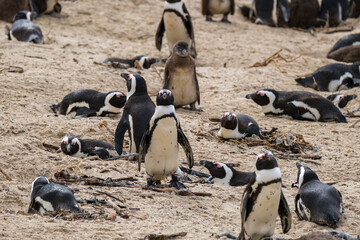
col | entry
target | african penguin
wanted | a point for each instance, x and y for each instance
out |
(299, 105)
(77, 147)
(304, 13)
(348, 40)
(341, 100)
(51, 197)
(263, 200)
(87, 102)
(346, 49)
(176, 23)
(137, 113)
(333, 77)
(180, 77)
(211, 7)
(159, 146)
(225, 175)
(274, 13)
(144, 62)
(46, 6)
(333, 12)
(316, 201)
(24, 30)
(238, 126)
(354, 9)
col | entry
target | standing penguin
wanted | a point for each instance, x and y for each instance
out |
(159, 145)
(263, 200)
(136, 115)
(51, 197)
(211, 7)
(333, 12)
(238, 126)
(304, 13)
(176, 23)
(354, 8)
(341, 100)
(180, 77)
(316, 201)
(299, 105)
(24, 30)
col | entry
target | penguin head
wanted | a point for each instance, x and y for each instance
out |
(146, 62)
(116, 99)
(135, 84)
(173, 1)
(229, 121)
(70, 145)
(305, 174)
(181, 49)
(38, 183)
(341, 100)
(164, 98)
(263, 97)
(23, 15)
(221, 173)
(266, 161)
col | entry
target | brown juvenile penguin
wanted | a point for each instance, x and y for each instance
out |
(180, 77)
(349, 54)
(303, 13)
(211, 7)
(354, 8)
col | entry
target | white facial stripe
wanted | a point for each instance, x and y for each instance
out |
(315, 114)
(142, 61)
(301, 176)
(32, 184)
(267, 175)
(76, 104)
(45, 204)
(65, 139)
(337, 100)
(133, 86)
(270, 107)
(228, 175)
(28, 16)
(108, 107)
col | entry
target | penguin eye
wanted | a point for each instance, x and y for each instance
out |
(217, 165)
(343, 96)
(119, 95)
(161, 92)
(130, 76)
(168, 92)
(226, 114)
(262, 156)
(260, 93)
(233, 115)
(65, 142)
(73, 143)
(148, 59)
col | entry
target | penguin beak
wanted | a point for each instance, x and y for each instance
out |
(206, 164)
(125, 76)
(250, 96)
(68, 147)
(298, 165)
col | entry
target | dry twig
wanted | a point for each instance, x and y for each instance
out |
(5, 174)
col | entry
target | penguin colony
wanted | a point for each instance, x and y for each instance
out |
(155, 131)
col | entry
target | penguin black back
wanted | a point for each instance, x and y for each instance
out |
(23, 29)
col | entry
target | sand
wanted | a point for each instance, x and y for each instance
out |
(95, 30)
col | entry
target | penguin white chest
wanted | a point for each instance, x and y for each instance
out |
(175, 29)
(183, 87)
(230, 133)
(219, 6)
(162, 155)
(261, 221)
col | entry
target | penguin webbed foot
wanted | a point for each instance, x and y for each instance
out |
(208, 18)
(193, 108)
(225, 19)
(175, 183)
(101, 153)
(150, 183)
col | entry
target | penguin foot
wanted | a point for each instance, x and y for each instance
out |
(175, 183)
(225, 20)
(208, 18)
(150, 183)
(193, 108)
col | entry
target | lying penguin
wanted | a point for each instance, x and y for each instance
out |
(299, 105)
(24, 30)
(76, 147)
(346, 49)
(333, 77)
(141, 62)
(238, 126)
(50, 197)
(87, 103)
(316, 201)
(341, 100)
(225, 175)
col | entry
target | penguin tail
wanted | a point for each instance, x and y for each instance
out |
(34, 38)
(254, 130)
(245, 11)
(341, 118)
(306, 82)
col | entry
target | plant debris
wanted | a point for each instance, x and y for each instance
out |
(164, 236)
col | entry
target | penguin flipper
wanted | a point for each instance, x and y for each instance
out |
(121, 128)
(285, 8)
(284, 213)
(85, 112)
(307, 81)
(190, 31)
(143, 148)
(166, 79)
(197, 86)
(254, 130)
(297, 198)
(184, 142)
(160, 33)
(101, 153)
(244, 207)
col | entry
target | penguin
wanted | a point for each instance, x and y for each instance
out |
(51, 197)
(347, 54)
(304, 13)
(316, 201)
(176, 23)
(333, 12)
(24, 30)
(299, 105)
(333, 77)
(159, 147)
(238, 126)
(144, 62)
(46, 6)
(88, 102)
(348, 40)
(341, 100)
(180, 77)
(354, 9)
(275, 13)
(137, 113)
(77, 147)
(211, 7)
(225, 175)
(262, 200)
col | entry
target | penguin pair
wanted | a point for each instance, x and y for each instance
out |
(77, 147)
(87, 103)
(346, 49)
(341, 100)
(159, 147)
(333, 12)
(299, 105)
(141, 62)
(238, 126)
(211, 7)
(51, 197)
(24, 30)
(333, 77)
(177, 25)
(275, 13)
(225, 175)
(316, 201)
(263, 200)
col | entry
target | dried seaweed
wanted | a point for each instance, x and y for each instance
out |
(164, 236)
